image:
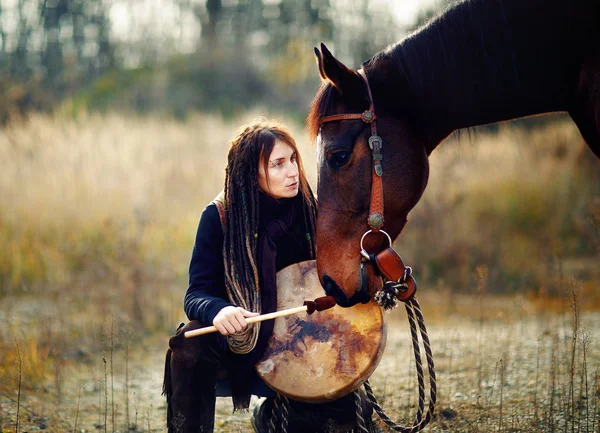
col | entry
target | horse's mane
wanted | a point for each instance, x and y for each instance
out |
(322, 104)
(475, 59)
(430, 50)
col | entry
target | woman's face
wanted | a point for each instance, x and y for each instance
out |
(283, 172)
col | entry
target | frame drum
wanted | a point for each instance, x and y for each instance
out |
(324, 356)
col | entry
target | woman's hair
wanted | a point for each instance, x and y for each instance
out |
(251, 147)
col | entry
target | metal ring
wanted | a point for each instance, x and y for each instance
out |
(369, 231)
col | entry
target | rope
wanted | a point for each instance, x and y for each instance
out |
(274, 415)
(413, 308)
(279, 414)
(284, 413)
(360, 419)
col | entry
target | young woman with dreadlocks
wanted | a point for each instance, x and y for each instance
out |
(266, 222)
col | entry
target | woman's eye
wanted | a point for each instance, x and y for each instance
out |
(339, 159)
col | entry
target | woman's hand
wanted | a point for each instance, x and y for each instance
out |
(230, 319)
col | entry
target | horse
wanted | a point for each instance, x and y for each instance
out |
(480, 62)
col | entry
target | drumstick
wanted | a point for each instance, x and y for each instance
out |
(319, 304)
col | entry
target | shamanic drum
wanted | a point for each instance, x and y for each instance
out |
(324, 356)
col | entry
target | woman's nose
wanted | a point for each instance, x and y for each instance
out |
(293, 171)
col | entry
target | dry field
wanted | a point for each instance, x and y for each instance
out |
(97, 218)
(502, 365)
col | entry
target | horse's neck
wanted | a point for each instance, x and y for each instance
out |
(486, 61)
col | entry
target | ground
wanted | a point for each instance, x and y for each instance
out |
(506, 370)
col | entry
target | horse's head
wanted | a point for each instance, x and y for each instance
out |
(346, 174)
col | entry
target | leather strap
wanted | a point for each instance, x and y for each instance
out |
(376, 219)
(334, 117)
(388, 261)
(392, 267)
(219, 201)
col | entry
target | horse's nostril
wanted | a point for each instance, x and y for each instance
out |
(332, 289)
(329, 285)
(327, 282)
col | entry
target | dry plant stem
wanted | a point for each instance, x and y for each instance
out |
(491, 396)
(501, 428)
(127, 380)
(537, 374)
(20, 379)
(595, 406)
(148, 417)
(105, 394)
(100, 402)
(583, 386)
(575, 331)
(58, 379)
(481, 275)
(552, 382)
(112, 375)
(77, 409)
(137, 410)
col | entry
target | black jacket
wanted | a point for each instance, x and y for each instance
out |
(206, 294)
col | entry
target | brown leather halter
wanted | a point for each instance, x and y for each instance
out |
(387, 261)
(375, 143)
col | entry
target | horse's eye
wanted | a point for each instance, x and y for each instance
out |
(339, 159)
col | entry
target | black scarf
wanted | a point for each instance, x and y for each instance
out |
(276, 218)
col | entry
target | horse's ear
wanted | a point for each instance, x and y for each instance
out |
(336, 72)
(320, 63)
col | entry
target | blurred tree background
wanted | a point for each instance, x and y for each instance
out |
(176, 56)
(139, 97)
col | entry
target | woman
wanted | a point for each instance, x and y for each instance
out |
(262, 222)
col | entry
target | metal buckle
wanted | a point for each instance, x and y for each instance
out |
(373, 139)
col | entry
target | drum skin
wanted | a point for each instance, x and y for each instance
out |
(324, 356)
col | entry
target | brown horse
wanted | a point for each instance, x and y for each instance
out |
(481, 61)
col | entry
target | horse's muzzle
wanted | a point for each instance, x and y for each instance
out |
(341, 299)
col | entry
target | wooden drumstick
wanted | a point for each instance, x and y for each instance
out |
(319, 304)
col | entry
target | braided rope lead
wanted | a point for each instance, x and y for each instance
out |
(279, 413)
(274, 415)
(413, 308)
(284, 412)
(360, 419)
(418, 361)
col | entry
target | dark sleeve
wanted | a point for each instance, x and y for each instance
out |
(206, 294)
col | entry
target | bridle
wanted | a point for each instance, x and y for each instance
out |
(399, 284)
(376, 144)
(387, 261)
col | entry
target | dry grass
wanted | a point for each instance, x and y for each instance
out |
(97, 219)
(524, 204)
(518, 369)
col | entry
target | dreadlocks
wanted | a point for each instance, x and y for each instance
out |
(252, 146)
